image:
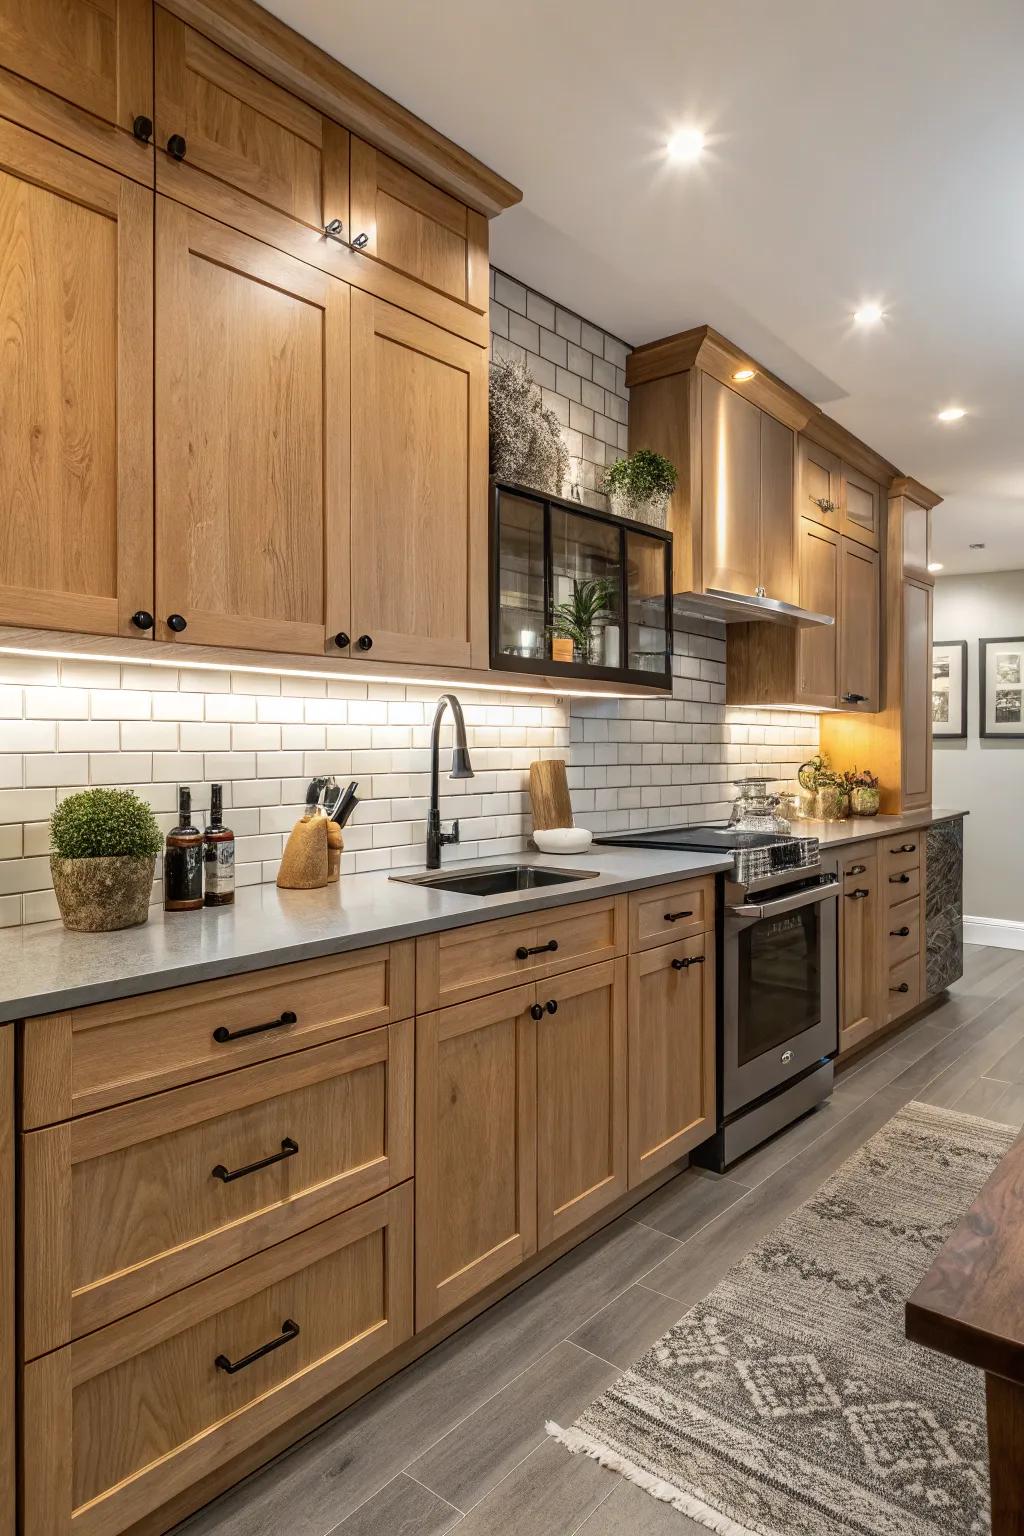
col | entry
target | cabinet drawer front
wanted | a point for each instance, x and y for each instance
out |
(901, 884)
(859, 866)
(908, 975)
(903, 853)
(110, 1053)
(148, 1406)
(470, 962)
(904, 915)
(134, 1203)
(670, 913)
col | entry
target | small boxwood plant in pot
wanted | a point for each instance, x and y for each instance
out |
(639, 486)
(104, 844)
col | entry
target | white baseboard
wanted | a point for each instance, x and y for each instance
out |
(1000, 932)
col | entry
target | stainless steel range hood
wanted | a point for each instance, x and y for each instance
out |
(738, 608)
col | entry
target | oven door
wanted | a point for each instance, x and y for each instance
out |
(779, 1003)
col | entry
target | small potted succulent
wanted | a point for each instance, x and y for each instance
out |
(104, 844)
(865, 794)
(639, 486)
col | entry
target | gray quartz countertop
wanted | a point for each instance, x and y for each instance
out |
(44, 968)
(834, 833)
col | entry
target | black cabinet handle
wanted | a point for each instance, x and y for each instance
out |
(859, 895)
(176, 622)
(899, 879)
(536, 1011)
(221, 1034)
(673, 917)
(857, 869)
(142, 619)
(855, 698)
(906, 848)
(904, 986)
(551, 1005)
(142, 128)
(685, 963)
(365, 643)
(288, 1149)
(176, 147)
(523, 953)
(342, 640)
(899, 933)
(289, 1330)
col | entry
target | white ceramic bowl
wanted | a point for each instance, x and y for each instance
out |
(564, 840)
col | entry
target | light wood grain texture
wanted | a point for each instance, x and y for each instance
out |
(860, 621)
(840, 441)
(670, 912)
(777, 528)
(704, 348)
(76, 311)
(819, 479)
(419, 488)
(581, 1096)
(256, 37)
(463, 963)
(122, 1207)
(476, 1147)
(7, 1285)
(144, 1408)
(32, 107)
(665, 414)
(252, 394)
(918, 598)
(549, 794)
(902, 945)
(817, 668)
(730, 488)
(862, 947)
(862, 504)
(106, 1054)
(671, 1053)
(97, 57)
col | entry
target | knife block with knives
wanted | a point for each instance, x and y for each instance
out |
(312, 854)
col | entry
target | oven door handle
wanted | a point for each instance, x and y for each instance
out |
(826, 892)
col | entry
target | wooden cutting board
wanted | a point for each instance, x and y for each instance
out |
(549, 795)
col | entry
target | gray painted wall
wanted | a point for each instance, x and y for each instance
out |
(983, 777)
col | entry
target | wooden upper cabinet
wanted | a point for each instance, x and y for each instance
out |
(76, 470)
(730, 488)
(859, 628)
(917, 598)
(777, 532)
(581, 1096)
(818, 552)
(862, 502)
(252, 383)
(416, 228)
(419, 489)
(819, 484)
(96, 55)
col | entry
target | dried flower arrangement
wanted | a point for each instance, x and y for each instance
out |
(527, 446)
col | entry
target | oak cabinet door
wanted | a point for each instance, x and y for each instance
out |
(917, 601)
(777, 530)
(581, 1096)
(818, 554)
(859, 628)
(76, 467)
(416, 228)
(98, 57)
(862, 915)
(862, 507)
(476, 1147)
(252, 389)
(819, 484)
(419, 489)
(731, 489)
(671, 1053)
(8, 1366)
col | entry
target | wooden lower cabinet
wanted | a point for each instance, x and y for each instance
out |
(862, 911)
(144, 1408)
(671, 1053)
(581, 1096)
(8, 1367)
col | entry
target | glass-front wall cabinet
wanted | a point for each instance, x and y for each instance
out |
(578, 593)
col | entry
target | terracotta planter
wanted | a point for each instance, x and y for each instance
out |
(864, 801)
(98, 895)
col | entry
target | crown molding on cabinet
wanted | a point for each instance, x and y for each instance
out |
(259, 39)
(821, 429)
(704, 348)
(906, 485)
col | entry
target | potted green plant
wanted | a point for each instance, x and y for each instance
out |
(865, 795)
(104, 844)
(826, 792)
(576, 619)
(640, 485)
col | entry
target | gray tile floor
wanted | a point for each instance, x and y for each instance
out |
(457, 1439)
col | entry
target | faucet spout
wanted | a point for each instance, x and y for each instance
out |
(461, 768)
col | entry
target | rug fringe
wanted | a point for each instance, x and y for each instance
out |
(576, 1441)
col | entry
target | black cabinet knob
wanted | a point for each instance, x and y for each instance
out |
(536, 1012)
(142, 128)
(680, 965)
(899, 933)
(142, 620)
(341, 640)
(364, 643)
(176, 147)
(177, 622)
(551, 1005)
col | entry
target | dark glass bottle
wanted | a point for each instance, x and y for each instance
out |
(183, 860)
(218, 855)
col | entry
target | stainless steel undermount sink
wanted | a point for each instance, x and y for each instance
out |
(498, 880)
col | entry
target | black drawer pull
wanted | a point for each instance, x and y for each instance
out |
(855, 698)
(903, 879)
(858, 895)
(904, 986)
(288, 1149)
(857, 869)
(673, 917)
(522, 953)
(899, 933)
(906, 848)
(289, 1330)
(221, 1033)
(685, 963)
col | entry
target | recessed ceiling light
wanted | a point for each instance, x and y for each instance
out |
(744, 375)
(869, 314)
(952, 413)
(686, 145)
(935, 565)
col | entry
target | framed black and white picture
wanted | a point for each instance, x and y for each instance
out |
(949, 689)
(1001, 665)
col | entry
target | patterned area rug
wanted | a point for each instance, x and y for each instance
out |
(789, 1402)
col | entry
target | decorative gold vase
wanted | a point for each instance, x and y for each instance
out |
(99, 895)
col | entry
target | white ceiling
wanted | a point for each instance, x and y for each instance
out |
(856, 152)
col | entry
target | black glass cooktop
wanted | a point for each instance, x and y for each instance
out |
(718, 837)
